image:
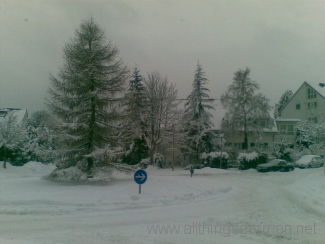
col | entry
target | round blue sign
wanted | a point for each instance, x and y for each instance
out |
(140, 176)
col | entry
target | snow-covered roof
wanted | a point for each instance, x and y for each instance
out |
(286, 120)
(20, 114)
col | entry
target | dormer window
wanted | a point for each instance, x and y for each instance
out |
(311, 93)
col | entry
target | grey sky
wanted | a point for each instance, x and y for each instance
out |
(282, 41)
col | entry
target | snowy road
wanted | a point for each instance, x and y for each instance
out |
(215, 206)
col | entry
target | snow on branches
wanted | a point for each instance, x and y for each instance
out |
(85, 97)
(197, 120)
(245, 108)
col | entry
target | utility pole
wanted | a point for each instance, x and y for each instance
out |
(173, 145)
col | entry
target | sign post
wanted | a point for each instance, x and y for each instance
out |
(140, 177)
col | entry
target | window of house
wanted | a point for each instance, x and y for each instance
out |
(312, 105)
(252, 144)
(298, 106)
(263, 124)
(311, 93)
(283, 129)
(290, 129)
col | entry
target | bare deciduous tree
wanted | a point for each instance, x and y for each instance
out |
(159, 111)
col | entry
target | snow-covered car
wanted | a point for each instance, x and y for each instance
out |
(309, 161)
(276, 165)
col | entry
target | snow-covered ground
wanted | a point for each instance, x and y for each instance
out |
(215, 206)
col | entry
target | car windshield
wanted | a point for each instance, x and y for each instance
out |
(275, 162)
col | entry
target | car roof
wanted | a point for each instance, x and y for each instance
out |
(306, 157)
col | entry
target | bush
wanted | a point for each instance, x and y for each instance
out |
(214, 159)
(160, 161)
(15, 157)
(282, 150)
(251, 160)
(144, 163)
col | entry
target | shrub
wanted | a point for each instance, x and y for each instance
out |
(250, 160)
(214, 159)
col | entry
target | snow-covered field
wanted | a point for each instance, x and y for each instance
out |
(215, 206)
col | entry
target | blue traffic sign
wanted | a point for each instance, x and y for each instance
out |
(140, 176)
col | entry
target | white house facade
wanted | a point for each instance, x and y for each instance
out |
(308, 103)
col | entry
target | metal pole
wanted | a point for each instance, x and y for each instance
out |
(221, 152)
(139, 189)
(173, 147)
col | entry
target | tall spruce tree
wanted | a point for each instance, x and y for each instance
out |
(132, 125)
(197, 119)
(83, 97)
(244, 108)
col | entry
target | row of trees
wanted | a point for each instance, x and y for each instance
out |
(101, 116)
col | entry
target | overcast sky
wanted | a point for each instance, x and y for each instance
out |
(281, 41)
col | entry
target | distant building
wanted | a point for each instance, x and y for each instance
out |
(307, 103)
(21, 115)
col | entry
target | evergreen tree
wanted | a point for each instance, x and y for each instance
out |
(283, 101)
(197, 119)
(132, 125)
(244, 108)
(84, 97)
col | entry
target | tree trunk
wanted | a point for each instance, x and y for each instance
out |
(90, 164)
(245, 136)
(245, 140)
(151, 155)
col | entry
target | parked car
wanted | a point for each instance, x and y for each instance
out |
(309, 161)
(276, 165)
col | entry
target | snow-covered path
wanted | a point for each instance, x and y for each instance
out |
(215, 206)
